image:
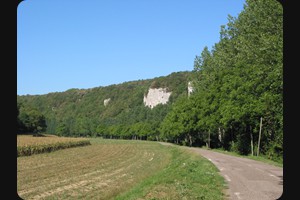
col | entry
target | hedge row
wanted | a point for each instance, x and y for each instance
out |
(45, 148)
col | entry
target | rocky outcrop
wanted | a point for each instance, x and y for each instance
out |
(190, 88)
(106, 101)
(156, 96)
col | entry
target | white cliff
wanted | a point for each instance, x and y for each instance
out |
(106, 101)
(156, 96)
(190, 88)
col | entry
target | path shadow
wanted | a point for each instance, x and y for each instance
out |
(281, 180)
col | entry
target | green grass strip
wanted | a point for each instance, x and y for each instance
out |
(188, 176)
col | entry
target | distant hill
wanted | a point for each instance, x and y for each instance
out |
(82, 112)
(237, 100)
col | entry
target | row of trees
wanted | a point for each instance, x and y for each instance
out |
(236, 84)
(139, 123)
(239, 82)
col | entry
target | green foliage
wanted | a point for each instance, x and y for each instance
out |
(236, 83)
(30, 120)
(242, 144)
(81, 112)
(275, 152)
(19, 123)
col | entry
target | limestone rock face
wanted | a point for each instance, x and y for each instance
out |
(190, 88)
(156, 96)
(106, 101)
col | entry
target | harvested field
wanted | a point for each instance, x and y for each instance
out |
(99, 171)
(106, 169)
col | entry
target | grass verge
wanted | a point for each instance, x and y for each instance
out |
(258, 158)
(188, 176)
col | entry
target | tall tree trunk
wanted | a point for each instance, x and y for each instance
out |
(208, 138)
(190, 140)
(220, 135)
(260, 127)
(251, 141)
(223, 136)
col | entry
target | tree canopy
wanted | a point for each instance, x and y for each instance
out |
(237, 84)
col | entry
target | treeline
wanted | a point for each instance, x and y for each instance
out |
(81, 112)
(30, 120)
(238, 83)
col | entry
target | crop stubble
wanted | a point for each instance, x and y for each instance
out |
(101, 170)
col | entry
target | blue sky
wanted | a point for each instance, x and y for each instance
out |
(64, 44)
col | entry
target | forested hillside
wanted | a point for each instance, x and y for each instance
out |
(237, 103)
(81, 112)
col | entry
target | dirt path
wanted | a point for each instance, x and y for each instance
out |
(247, 179)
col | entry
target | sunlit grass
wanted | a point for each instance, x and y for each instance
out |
(187, 176)
(118, 169)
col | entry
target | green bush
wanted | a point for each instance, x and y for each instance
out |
(275, 153)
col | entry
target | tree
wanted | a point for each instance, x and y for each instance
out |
(62, 129)
(19, 123)
(32, 120)
(240, 80)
